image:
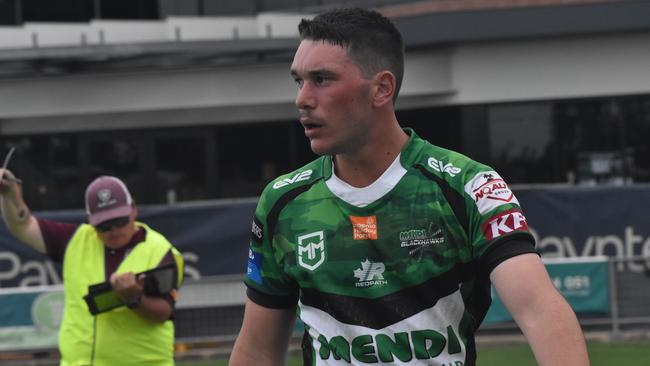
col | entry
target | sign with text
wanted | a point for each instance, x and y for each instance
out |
(30, 318)
(584, 283)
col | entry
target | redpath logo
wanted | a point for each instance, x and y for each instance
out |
(489, 191)
(504, 223)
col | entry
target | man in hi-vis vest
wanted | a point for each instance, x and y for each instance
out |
(111, 249)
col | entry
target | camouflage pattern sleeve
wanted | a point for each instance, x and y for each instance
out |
(267, 283)
(267, 280)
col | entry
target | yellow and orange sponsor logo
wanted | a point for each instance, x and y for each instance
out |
(364, 227)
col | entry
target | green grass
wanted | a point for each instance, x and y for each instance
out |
(601, 354)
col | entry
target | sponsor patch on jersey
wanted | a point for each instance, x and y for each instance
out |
(421, 237)
(417, 241)
(504, 223)
(311, 250)
(489, 191)
(370, 274)
(257, 230)
(298, 177)
(364, 227)
(254, 271)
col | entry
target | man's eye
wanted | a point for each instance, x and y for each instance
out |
(319, 79)
(299, 82)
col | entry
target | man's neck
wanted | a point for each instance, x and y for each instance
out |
(369, 162)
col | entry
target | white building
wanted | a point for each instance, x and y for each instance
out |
(201, 107)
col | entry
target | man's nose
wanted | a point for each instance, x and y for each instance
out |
(305, 97)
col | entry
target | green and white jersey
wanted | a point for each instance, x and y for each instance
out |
(393, 273)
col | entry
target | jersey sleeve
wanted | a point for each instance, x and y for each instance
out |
(56, 236)
(267, 284)
(498, 229)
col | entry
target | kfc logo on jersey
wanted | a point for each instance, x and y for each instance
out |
(504, 223)
(489, 191)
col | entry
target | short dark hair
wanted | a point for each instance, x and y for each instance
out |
(371, 39)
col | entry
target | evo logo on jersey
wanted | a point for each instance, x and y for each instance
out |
(311, 251)
(299, 177)
(504, 223)
(364, 227)
(489, 191)
(441, 167)
(370, 274)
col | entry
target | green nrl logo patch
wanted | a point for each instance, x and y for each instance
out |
(311, 250)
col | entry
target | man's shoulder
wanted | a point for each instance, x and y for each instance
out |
(287, 186)
(301, 177)
(447, 165)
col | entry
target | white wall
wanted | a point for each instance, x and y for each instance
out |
(279, 24)
(506, 71)
(43, 34)
(211, 28)
(552, 68)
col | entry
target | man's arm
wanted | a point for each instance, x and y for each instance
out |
(546, 319)
(264, 336)
(20, 223)
(130, 290)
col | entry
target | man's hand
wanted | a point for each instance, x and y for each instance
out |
(15, 213)
(7, 181)
(127, 287)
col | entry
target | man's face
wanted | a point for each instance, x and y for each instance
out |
(116, 233)
(334, 100)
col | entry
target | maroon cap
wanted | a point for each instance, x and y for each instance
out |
(107, 198)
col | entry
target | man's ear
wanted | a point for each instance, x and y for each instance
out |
(384, 83)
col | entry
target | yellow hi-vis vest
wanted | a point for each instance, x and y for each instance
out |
(119, 337)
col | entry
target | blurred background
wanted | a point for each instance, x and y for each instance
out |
(190, 102)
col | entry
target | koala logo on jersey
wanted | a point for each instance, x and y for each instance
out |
(311, 251)
(489, 191)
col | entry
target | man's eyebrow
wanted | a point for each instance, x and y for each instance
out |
(314, 73)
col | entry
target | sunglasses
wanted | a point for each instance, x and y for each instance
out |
(117, 223)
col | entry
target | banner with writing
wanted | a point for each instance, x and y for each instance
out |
(584, 283)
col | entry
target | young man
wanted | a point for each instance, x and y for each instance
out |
(386, 244)
(113, 246)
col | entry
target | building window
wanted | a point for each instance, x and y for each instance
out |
(521, 138)
(49, 168)
(56, 11)
(181, 168)
(251, 155)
